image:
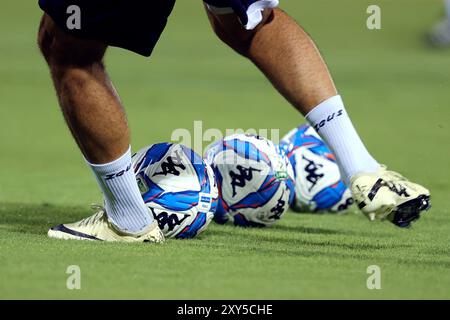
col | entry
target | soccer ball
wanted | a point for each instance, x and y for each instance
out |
(255, 180)
(178, 187)
(318, 184)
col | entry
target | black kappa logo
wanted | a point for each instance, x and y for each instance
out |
(240, 179)
(330, 118)
(170, 220)
(278, 210)
(170, 166)
(313, 176)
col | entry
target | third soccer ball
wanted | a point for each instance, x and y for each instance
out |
(318, 184)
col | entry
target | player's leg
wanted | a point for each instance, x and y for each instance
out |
(88, 100)
(97, 121)
(290, 60)
(439, 36)
(295, 68)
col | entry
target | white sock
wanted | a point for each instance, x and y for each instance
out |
(331, 121)
(123, 201)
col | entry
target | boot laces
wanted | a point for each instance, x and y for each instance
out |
(96, 217)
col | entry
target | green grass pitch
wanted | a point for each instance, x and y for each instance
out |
(395, 88)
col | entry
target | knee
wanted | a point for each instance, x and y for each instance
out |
(61, 50)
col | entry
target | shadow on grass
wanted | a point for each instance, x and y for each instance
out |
(335, 239)
(38, 218)
(336, 244)
(308, 230)
(333, 247)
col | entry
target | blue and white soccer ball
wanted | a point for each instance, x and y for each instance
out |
(255, 180)
(178, 187)
(318, 184)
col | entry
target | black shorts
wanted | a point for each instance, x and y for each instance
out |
(135, 25)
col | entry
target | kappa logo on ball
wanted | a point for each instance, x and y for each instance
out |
(278, 210)
(311, 168)
(171, 165)
(170, 220)
(240, 179)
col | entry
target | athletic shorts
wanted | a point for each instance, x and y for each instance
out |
(137, 25)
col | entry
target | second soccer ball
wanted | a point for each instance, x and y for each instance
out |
(254, 178)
